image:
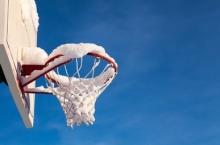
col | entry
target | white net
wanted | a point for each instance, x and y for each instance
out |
(77, 94)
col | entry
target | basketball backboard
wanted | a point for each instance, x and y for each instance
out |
(14, 35)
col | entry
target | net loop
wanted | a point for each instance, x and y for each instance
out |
(77, 94)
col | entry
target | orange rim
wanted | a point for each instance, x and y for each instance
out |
(90, 54)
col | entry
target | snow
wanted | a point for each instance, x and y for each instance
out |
(29, 10)
(77, 50)
(73, 50)
(40, 89)
(96, 81)
(33, 55)
(37, 55)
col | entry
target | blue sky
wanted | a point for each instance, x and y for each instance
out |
(167, 91)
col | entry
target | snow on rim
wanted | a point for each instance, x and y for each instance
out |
(77, 50)
(33, 55)
(73, 50)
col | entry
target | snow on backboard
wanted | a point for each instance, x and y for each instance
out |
(16, 34)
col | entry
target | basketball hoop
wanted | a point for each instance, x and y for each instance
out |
(76, 93)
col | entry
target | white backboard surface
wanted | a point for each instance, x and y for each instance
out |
(15, 35)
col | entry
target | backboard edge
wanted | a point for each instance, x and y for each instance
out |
(12, 83)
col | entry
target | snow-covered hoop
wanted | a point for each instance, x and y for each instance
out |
(77, 94)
